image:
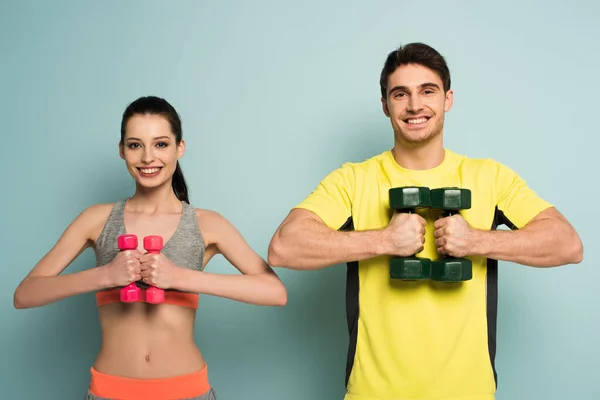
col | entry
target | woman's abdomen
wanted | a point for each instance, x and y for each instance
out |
(147, 341)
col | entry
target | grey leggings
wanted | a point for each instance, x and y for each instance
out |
(211, 395)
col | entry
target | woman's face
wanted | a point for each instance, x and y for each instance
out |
(150, 150)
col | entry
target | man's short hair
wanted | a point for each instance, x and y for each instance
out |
(418, 54)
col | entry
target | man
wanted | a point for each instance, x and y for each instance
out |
(421, 338)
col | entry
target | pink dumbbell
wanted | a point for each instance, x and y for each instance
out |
(153, 245)
(130, 293)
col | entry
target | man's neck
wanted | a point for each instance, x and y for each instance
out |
(419, 156)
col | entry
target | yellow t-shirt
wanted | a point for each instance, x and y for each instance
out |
(423, 339)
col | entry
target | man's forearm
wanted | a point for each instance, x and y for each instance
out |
(544, 243)
(311, 245)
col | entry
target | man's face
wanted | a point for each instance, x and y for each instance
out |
(416, 104)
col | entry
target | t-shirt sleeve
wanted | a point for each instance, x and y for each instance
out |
(515, 199)
(332, 198)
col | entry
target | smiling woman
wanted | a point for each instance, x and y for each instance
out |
(148, 349)
(152, 125)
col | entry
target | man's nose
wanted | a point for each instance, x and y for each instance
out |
(415, 103)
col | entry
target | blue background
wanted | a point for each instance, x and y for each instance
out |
(274, 95)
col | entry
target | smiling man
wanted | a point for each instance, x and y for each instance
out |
(422, 328)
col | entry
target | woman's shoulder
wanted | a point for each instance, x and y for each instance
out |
(207, 216)
(89, 222)
(99, 211)
(213, 223)
(96, 216)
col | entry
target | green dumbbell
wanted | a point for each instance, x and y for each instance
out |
(408, 200)
(451, 200)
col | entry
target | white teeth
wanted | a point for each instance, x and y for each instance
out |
(149, 170)
(417, 121)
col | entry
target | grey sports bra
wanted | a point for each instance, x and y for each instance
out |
(185, 248)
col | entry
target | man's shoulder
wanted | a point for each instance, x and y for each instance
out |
(369, 163)
(384, 161)
(488, 164)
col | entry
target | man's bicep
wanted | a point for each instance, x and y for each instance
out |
(518, 202)
(331, 201)
(549, 213)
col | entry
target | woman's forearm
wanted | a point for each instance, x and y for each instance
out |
(37, 291)
(259, 289)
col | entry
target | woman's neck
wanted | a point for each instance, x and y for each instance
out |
(151, 200)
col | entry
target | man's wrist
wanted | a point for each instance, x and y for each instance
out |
(480, 242)
(379, 246)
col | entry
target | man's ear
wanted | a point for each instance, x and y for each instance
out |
(384, 107)
(449, 100)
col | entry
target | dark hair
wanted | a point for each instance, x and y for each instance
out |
(414, 53)
(151, 105)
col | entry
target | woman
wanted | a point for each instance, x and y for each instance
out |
(148, 350)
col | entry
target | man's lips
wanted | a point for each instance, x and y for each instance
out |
(417, 120)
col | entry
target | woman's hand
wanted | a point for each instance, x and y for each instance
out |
(125, 268)
(157, 270)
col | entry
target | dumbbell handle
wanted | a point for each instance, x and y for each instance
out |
(448, 213)
(153, 244)
(130, 293)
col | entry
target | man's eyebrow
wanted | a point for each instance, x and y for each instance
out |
(429, 85)
(422, 86)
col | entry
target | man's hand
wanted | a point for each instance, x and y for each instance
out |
(405, 234)
(454, 236)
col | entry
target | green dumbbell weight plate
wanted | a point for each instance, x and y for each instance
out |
(410, 268)
(451, 270)
(409, 197)
(450, 198)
